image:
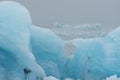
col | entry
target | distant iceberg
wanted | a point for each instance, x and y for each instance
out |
(30, 52)
(68, 32)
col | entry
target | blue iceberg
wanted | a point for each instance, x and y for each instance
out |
(29, 52)
(15, 51)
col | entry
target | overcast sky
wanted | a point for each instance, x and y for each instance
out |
(47, 12)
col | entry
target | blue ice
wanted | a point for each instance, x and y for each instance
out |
(26, 47)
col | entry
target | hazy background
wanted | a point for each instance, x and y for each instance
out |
(47, 12)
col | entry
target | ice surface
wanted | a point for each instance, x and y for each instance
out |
(96, 58)
(48, 49)
(114, 77)
(87, 59)
(15, 52)
(68, 79)
(29, 51)
(50, 78)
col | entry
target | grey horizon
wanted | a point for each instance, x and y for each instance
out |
(47, 12)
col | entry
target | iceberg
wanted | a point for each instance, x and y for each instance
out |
(96, 58)
(69, 32)
(30, 52)
(48, 49)
(15, 51)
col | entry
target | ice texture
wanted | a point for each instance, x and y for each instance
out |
(48, 50)
(29, 52)
(114, 77)
(96, 58)
(15, 51)
(50, 78)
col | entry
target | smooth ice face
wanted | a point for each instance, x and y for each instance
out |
(48, 49)
(42, 39)
(15, 23)
(27, 48)
(114, 35)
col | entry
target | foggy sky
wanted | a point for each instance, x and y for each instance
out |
(47, 12)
